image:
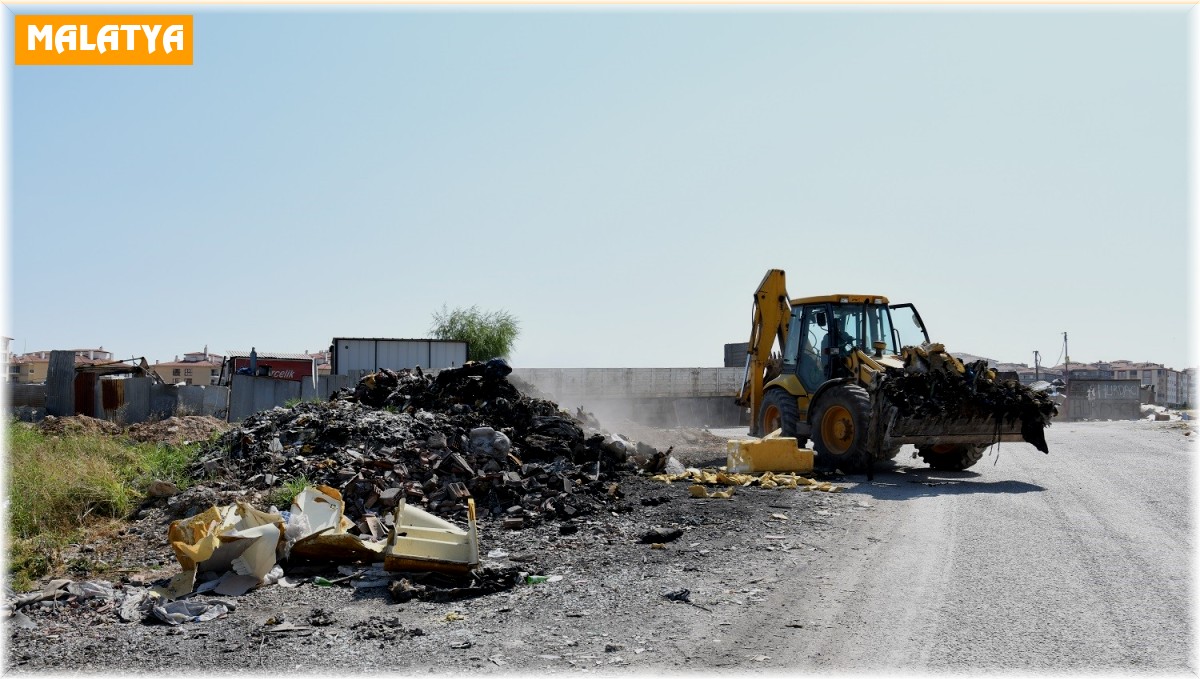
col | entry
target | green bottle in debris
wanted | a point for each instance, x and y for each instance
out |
(535, 579)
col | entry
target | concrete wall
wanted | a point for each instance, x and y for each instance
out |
(1103, 400)
(660, 397)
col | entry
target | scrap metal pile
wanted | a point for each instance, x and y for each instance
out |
(433, 442)
(934, 384)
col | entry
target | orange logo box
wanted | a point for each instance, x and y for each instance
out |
(103, 40)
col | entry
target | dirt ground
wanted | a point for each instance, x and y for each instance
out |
(591, 617)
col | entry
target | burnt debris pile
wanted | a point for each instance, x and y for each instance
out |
(935, 385)
(433, 442)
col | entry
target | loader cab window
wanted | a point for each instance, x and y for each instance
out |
(909, 329)
(878, 326)
(814, 339)
(848, 327)
(859, 326)
(791, 352)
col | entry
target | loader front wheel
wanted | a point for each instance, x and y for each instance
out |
(839, 429)
(780, 411)
(951, 458)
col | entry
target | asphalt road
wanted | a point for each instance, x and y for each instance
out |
(1074, 561)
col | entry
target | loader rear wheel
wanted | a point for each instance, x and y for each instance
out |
(780, 411)
(839, 429)
(949, 457)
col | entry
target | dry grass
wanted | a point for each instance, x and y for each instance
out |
(61, 485)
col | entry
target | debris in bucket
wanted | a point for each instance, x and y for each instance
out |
(935, 384)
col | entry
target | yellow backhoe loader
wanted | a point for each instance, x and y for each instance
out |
(859, 377)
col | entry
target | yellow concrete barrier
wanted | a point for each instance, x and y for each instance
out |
(767, 455)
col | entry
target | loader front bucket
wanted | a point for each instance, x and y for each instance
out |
(980, 430)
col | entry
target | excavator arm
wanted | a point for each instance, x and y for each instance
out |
(769, 323)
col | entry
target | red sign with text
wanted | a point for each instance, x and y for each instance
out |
(280, 368)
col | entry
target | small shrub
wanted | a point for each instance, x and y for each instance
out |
(488, 334)
(282, 496)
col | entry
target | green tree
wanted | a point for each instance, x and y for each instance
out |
(488, 334)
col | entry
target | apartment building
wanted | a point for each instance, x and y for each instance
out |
(31, 368)
(196, 367)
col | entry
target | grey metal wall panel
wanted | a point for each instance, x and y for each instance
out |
(398, 354)
(162, 400)
(735, 354)
(137, 399)
(355, 357)
(60, 384)
(447, 355)
(249, 395)
(26, 395)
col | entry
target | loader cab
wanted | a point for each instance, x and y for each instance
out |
(823, 330)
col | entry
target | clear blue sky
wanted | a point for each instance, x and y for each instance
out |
(619, 179)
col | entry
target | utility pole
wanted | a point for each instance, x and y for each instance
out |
(1036, 373)
(1067, 363)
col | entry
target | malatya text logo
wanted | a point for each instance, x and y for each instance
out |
(103, 40)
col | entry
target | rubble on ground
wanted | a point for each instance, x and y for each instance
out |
(433, 442)
(76, 425)
(174, 430)
(177, 430)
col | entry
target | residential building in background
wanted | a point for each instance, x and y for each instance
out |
(196, 367)
(31, 368)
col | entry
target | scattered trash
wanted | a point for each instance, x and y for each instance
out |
(661, 535)
(684, 595)
(714, 477)
(422, 541)
(237, 537)
(699, 491)
(317, 529)
(320, 618)
(443, 587)
(192, 610)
